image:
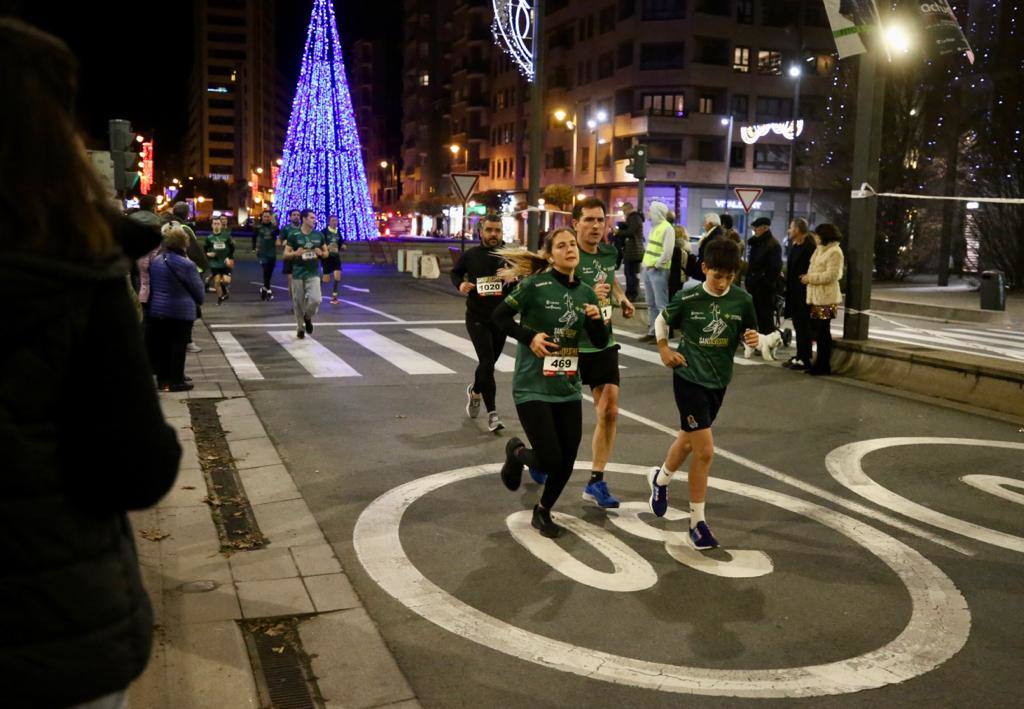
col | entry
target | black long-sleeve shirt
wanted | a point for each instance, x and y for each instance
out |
(798, 261)
(505, 318)
(765, 263)
(476, 263)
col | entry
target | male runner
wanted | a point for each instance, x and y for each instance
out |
(265, 236)
(305, 247)
(220, 250)
(335, 241)
(294, 221)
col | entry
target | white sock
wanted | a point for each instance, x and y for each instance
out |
(696, 513)
(664, 475)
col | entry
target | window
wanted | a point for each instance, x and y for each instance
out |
(663, 9)
(605, 65)
(625, 54)
(227, 54)
(769, 61)
(661, 55)
(713, 7)
(583, 73)
(222, 137)
(741, 59)
(553, 6)
(781, 13)
(626, 9)
(738, 156)
(221, 153)
(739, 107)
(222, 120)
(712, 50)
(771, 109)
(586, 27)
(222, 103)
(665, 151)
(709, 151)
(424, 79)
(771, 157)
(664, 105)
(559, 158)
(606, 20)
(226, 37)
(745, 12)
(706, 104)
(824, 64)
(584, 159)
(814, 15)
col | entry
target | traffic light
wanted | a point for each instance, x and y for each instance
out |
(637, 165)
(125, 154)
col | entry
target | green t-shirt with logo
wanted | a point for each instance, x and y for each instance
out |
(219, 248)
(333, 240)
(266, 243)
(592, 270)
(712, 327)
(307, 265)
(546, 305)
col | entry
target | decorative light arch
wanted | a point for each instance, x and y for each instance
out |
(513, 31)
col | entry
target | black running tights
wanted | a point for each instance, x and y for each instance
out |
(268, 271)
(488, 341)
(554, 431)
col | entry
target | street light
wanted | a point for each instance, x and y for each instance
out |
(728, 121)
(795, 72)
(454, 148)
(259, 171)
(279, 162)
(897, 38)
(561, 115)
(383, 164)
(594, 124)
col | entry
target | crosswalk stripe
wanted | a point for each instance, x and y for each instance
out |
(237, 357)
(396, 353)
(314, 357)
(1001, 337)
(946, 345)
(460, 345)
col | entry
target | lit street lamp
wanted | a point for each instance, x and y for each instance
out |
(796, 73)
(561, 116)
(594, 124)
(728, 157)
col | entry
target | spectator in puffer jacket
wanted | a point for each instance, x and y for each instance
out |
(81, 430)
(175, 289)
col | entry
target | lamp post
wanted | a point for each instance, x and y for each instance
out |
(796, 73)
(728, 157)
(594, 124)
(562, 116)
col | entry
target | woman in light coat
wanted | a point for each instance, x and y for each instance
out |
(823, 294)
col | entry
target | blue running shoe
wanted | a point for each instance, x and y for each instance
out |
(538, 477)
(659, 494)
(702, 537)
(597, 493)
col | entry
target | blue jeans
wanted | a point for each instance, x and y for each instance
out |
(656, 289)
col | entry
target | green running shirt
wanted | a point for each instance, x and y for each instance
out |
(307, 265)
(594, 269)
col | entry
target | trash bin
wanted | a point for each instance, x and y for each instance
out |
(993, 290)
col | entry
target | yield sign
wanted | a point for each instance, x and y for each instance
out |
(747, 196)
(465, 184)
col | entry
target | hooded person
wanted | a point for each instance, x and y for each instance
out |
(656, 264)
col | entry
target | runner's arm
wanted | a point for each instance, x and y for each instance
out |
(458, 272)
(661, 328)
(596, 331)
(505, 318)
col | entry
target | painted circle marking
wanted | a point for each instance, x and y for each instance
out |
(938, 627)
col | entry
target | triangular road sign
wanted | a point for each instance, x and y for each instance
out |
(465, 184)
(747, 196)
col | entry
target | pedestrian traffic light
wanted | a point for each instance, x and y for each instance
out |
(637, 165)
(124, 152)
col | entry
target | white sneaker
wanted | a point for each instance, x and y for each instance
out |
(193, 348)
(494, 423)
(472, 403)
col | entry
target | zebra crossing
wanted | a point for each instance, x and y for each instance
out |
(354, 353)
(986, 342)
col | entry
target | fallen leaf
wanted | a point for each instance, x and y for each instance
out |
(188, 487)
(154, 535)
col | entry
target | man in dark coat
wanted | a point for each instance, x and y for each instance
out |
(798, 260)
(764, 269)
(631, 237)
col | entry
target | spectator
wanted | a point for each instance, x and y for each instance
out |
(631, 237)
(661, 243)
(712, 230)
(677, 274)
(175, 291)
(798, 260)
(764, 269)
(197, 255)
(728, 231)
(823, 294)
(80, 425)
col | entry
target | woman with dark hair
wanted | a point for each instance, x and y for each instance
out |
(554, 307)
(77, 407)
(823, 294)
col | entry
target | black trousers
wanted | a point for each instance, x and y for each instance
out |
(800, 312)
(166, 340)
(554, 431)
(488, 342)
(823, 336)
(268, 271)
(632, 269)
(764, 306)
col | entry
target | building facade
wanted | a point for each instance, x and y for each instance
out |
(367, 70)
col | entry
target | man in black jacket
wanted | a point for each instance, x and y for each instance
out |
(764, 269)
(631, 236)
(712, 230)
(475, 275)
(798, 260)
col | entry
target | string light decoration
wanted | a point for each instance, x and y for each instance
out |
(322, 166)
(513, 31)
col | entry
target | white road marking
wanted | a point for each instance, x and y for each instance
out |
(358, 290)
(954, 340)
(403, 357)
(845, 465)
(314, 357)
(291, 324)
(937, 630)
(237, 357)
(1001, 334)
(460, 345)
(371, 310)
(996, 485)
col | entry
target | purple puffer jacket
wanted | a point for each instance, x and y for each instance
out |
(175, 288)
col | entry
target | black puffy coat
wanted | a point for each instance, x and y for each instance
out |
(83, 440)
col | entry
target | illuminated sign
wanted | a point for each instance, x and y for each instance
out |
(146, 176)
(735, 204)
(513, 31)
(751, 134)
(217, 90)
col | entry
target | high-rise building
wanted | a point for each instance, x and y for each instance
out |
(666, 73)
(236, 128)
(367, 81)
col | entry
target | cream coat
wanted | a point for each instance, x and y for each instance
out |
(824, 274)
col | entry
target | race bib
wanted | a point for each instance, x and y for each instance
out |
(561, 364)
(606, 312)
(488, 285)
(308, 255)
(219, 246)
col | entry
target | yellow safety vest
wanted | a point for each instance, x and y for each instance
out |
(656, 244)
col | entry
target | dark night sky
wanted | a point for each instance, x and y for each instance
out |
(135, 58)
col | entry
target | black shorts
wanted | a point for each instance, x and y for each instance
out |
(332, 263)
(599, 368)
(222, 271)
(698, 406)
(286, 269)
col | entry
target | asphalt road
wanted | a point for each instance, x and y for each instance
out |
(858, 569)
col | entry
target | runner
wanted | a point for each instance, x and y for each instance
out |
(266, 250)
(305, 246)
(220, 249)
(332, 263)
(475, 275)
(294, 221)
(554, 307)
(711, 319)
(599, 366)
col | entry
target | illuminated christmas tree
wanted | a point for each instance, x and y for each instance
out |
(322, 166)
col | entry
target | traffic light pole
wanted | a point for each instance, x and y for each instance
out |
(536, 129)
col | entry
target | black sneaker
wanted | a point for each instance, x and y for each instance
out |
(309, 325)
(300, 333)
(512, 470)
(542, 523)
(180, 386)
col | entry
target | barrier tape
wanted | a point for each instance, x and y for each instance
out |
(867, 190)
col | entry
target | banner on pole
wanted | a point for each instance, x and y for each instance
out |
(849, 19)
(942, 27)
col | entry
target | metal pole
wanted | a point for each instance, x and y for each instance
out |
(728, 162)
(594, 157)
(536, 127)
(792, 146)
(465, 223)
(867, 147)
(575, 150)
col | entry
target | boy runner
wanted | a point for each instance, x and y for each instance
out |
(711, 319)
(335, 244)
(266, 235)
(220, 250)
(305, 248)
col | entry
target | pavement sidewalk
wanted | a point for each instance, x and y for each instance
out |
(959, 300)
(203, 598)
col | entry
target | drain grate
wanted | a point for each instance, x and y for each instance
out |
(281, 666)
(230, 508)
